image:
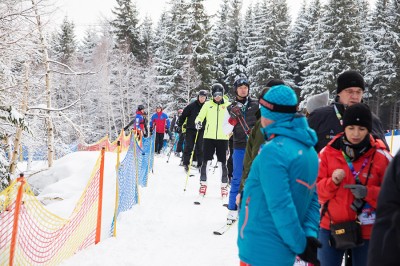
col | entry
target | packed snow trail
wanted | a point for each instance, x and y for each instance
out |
(166, 228)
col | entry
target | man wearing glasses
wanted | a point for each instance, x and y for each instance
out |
(215, 140)
(327, 120)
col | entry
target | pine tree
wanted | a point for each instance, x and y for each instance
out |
(146, 40)
(126, 27)
(65, 44)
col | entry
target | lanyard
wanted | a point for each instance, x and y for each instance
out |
(338, 115)
(351, 166)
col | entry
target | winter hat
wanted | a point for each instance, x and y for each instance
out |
(350, 78)
(202, 93)
(140, 107)
(217, 88)
(358, 114)
(316, 101)
(279, 103)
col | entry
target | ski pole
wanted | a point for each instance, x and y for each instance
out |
(190, 162)
(170, 151)
(244, 125)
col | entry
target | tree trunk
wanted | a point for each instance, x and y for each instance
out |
(18, 134)
(49, 122)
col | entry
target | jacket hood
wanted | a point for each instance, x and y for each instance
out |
(296, 128)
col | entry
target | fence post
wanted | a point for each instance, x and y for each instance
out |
(18, 203)
(100, 206)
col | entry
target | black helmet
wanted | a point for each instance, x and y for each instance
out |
(217, 87)
(140, 107)
(239, 82)
(202, 93)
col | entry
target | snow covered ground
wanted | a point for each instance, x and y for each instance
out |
(166, 228)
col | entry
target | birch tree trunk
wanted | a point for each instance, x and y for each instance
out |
(18, 134)
(49, 122)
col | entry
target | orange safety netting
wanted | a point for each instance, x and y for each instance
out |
(109, 146)
(31, 235)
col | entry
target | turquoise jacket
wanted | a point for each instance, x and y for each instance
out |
(280, 206)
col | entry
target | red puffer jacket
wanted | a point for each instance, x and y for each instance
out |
(340, 198)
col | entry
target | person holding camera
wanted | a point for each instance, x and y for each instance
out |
(351, 172)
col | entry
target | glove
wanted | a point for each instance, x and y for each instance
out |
(232, 121)
(310, 253)
(199, 125)
(178, 129)
(166, 130)
(151, 131)
(359, 191)
(235, 109)
(145, 134)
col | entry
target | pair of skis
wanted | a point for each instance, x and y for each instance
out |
(222, 230)
(236, 110)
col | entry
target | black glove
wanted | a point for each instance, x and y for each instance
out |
(359, 191)
(310, 253)
(145, 134)
(235, 109)
(151, 131)
(166, 130)
(199, 125)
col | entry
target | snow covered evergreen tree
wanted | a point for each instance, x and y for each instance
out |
(126, 27)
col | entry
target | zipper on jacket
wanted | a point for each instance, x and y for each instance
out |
(216, 132)
(246, 217)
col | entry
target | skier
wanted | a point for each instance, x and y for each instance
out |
(279, 213)
(139, 123)
(244, 107)
(215, 140)
(160, 121)
(189, 115)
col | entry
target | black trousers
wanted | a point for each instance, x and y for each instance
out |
(189, 143)
(159, 142)
(219, 147)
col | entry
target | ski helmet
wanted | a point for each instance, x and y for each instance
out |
(217, 88)
(202, 93)
(140, 107)
(239, 82)
(158, 106)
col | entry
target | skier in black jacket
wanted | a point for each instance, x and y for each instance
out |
(384, 246)
(327, 120)
(190, 113)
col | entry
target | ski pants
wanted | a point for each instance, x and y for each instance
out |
(329, 256)
(219, 147)
(189, 143)
(237, 158)
(159, 142)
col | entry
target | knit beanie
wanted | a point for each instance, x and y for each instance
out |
(316, 101)
(349, 79)
(358, 114)
(279, 103)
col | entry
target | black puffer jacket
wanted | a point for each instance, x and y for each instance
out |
(239, 136)
(190, 112)
(327, 125)
(384, 246)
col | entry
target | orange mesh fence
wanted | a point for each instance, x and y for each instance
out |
(105, 142)
(31, 235)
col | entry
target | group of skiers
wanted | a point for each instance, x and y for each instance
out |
(296, 178)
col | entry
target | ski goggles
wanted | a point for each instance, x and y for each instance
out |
(217, 93)
(241, 82)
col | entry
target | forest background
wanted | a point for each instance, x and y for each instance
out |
(57, 91)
